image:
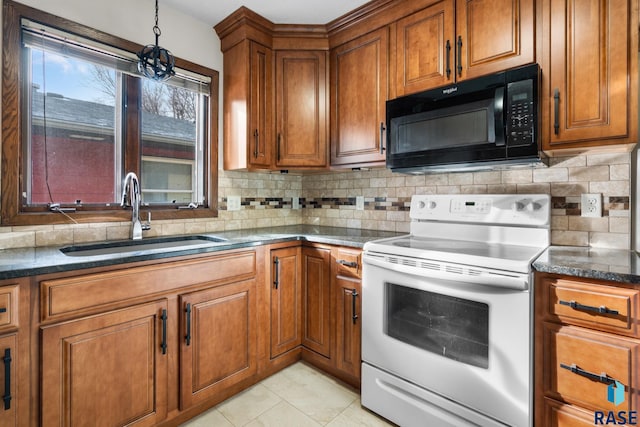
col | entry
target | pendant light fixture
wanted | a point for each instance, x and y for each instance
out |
(156, 62)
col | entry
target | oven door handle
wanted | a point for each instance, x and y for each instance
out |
(517, 281)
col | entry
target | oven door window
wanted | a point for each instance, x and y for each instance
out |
(452, 327)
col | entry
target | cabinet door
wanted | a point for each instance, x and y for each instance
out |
(9, 381)
(260, 112)
(348, 325)
(286, 300)
(493, 35)
(108, 370)
(425, 44)
(301, 109)
(359, 88)
(591, 73)
(316, 277)
(219, 337)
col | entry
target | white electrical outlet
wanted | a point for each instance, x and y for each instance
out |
(360, 203)
(591, 205)
(233, 203)
(295, 203)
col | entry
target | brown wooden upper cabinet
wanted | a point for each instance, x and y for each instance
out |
(301, 109)
(452, 40)
(590, 67)
(275, 104)
(359, 88)
(248, 106)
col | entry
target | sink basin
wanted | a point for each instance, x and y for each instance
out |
(126, 246)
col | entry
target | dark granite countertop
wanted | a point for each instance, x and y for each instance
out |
(32, 261)
(605, 264)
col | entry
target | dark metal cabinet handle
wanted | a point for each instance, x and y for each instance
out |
(354, 295)
(7, 378)
(577, 306)
(278, 147)
(556, 111)
(256, 138)
(3, 309)
(276, 263)
(459, 66)
(603, 377)
(163, 344)
(347, 263)
(382, 129)
(187, 311)
(448, 49)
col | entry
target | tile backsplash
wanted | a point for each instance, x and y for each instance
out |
(267, 199)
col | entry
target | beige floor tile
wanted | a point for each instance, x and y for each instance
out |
(209, 419)
(355, 415)
(248, 405)
(283, 415)
(312, 392)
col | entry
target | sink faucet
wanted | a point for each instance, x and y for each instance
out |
(131, 197)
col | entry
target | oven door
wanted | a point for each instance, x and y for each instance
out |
(463, 347)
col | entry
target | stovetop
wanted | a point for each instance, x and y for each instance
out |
(503, 232)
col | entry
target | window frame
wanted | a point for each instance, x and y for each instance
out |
(12, 211)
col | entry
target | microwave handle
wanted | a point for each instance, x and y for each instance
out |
(382, 129)
(498, 113)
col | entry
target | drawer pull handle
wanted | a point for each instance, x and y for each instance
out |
(346, 263)
(576, 306)
(3, 309)
(603, 377)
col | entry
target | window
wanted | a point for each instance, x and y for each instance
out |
(87, 118)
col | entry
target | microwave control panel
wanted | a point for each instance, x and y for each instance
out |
(520, 113)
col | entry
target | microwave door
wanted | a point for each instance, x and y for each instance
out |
(462, 133)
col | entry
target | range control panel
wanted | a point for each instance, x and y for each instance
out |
(514, 209)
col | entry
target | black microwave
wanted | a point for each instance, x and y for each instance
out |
(490, 122)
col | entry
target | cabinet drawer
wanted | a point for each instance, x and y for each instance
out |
(348, 263)
(557, 414)
(595, 306)
(82, 294)
(9, 307)
(580, 366)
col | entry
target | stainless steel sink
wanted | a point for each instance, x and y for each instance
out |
(127, 246)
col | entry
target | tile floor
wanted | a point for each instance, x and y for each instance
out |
(298, 396)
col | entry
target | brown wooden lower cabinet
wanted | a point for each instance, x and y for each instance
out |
(587, 351)
(219, 340)
(332, 305)
(286, 300)
(348, 326)
(10, 358)
(109, 369)
(123, 346)
(316, 278)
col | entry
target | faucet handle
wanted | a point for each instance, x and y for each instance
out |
(147, 225)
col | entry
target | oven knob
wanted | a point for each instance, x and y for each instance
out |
(431, 204)
(519, 206)
(421, 204)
